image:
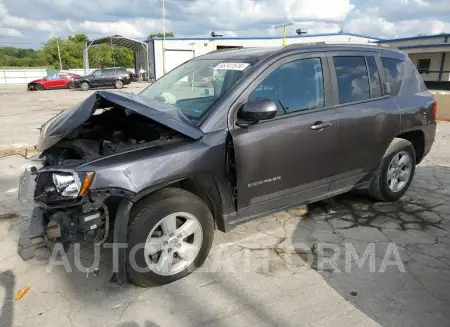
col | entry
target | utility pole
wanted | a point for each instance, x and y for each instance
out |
(164, 35)
(284, 31)
(59, 55)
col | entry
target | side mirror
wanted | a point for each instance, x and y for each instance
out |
(259, 109)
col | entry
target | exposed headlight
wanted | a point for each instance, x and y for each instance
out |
(70, 184)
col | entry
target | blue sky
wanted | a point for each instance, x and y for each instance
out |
(28, 23)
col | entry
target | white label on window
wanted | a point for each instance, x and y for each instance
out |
(232, 65)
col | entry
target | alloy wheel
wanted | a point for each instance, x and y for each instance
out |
(399, 171)
(173, 244)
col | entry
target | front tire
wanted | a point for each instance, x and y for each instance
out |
(395, 173)
(84, 86)
(170, 234)
(40, 87)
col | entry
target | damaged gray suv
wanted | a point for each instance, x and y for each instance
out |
(270, 128)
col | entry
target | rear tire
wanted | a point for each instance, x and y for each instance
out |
(147, 219)
(118, 84)
(84, 86)
(390, 181)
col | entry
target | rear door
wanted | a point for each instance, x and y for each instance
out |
(63, 79)
(368, 118)
(287, 160)
(109, 76)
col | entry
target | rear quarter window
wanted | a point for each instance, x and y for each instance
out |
(352, 78)
(394, 70)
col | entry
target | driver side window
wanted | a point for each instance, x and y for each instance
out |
(294, 86)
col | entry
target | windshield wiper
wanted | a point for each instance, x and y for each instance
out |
(282, 107)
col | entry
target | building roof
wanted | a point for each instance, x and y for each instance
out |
(120, 41)
(432, 45)
(446, 35)
(264, 37)
(256, 54)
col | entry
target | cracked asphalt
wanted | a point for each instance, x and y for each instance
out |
(347, 261)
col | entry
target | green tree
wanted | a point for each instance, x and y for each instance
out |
(71, 49)
(78, 38)
(15, 57)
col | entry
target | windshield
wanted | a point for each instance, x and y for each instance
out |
(195, 86)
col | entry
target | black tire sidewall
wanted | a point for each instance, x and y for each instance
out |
(384, 188)
(84, 83)
(147, 218)
(118, 84)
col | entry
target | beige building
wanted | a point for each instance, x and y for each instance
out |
(164, 55)
(431, 55)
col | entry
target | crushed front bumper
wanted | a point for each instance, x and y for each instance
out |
(64, 221)
(73, 223)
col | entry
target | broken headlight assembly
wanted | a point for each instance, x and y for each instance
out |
(62, 185)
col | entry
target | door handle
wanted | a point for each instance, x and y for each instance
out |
(318, 126)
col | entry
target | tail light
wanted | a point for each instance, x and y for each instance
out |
(434, 109)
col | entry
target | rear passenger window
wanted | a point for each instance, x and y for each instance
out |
(374, 78)
(294, 86)
(352, 79)
(394, 70)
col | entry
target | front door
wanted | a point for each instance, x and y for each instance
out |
(288, 159)
(97, 78)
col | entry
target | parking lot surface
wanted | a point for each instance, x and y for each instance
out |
(347, 261)
(24, 112)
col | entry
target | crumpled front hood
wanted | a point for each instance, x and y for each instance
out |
(82, 77)
(67, 121)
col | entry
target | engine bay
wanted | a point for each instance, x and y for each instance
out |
(108, 131)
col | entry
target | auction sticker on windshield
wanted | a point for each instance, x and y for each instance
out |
(232, 65)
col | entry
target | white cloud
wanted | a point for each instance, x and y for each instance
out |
(371, 23)
(10, 32)
(138, 18)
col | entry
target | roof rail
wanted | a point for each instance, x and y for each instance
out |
(301, 45)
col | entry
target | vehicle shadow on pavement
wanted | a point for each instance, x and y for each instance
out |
(390, 260)
(354, 227)
(133, 324)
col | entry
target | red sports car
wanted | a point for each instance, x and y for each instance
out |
(55, 81)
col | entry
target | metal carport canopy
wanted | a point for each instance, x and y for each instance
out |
(119, 40)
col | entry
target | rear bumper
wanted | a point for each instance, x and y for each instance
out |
(430, 135)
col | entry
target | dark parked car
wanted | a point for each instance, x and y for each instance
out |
(55, 81)
(278, 127)
(117, 77)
